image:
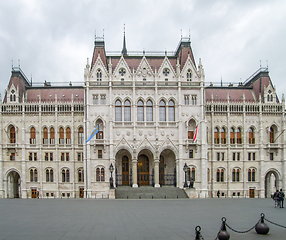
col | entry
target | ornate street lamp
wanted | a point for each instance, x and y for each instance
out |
(111, 169)
(185, 170)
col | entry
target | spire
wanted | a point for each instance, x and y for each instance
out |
(124, 50)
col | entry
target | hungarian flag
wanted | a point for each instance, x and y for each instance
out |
(195, 137)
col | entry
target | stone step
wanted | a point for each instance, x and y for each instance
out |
(149, 192)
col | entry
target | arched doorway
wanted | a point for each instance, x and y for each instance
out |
(143, 170)
(125, 170)
(167, 168)
(162, 171)
(14, 184)
(271, 183)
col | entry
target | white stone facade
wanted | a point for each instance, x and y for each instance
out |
(155, 115)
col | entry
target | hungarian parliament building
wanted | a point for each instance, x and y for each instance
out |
(157, 121)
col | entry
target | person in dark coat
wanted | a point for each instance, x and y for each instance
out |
(281, 198)
(218, 193)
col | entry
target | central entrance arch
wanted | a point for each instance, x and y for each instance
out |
(14, 184)
(271, 183)
(143, 170)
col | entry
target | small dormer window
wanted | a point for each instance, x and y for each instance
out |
(98, 75)
(13, 96)
(189, 75)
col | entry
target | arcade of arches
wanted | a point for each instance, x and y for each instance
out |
(145, 169)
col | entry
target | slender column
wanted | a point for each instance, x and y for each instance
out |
(134, 173)
(156, 172)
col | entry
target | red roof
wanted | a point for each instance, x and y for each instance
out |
(236, 94)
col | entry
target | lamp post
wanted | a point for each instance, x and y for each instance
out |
(111, 169)
(185, 170)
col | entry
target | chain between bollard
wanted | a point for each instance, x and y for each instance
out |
(237, 231)
(198, 233)
(274, 223)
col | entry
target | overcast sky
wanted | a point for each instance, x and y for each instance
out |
(53, 39)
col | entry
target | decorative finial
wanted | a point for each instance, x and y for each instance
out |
(181, 34)
(19, 62)
(267, 63)
(12, 64)
(189, 34)
(103, 34)
(95, 35)
(260, 63)
(124, 28)
(221, 80)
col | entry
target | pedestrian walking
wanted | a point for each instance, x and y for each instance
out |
(275, 198)
(281, 198)
(218, 193)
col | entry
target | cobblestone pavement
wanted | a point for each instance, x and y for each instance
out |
(134, 219)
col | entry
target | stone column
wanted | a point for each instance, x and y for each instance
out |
(156, 172)
(134, 173)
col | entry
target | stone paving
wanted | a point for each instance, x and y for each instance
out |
(134, 219)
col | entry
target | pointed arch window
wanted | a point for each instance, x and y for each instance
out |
(238, 136)
(271, 137)
(52, 135)
(65, 175)
(100, 174)
(33, 135)
(232, 138)
(162, 111)
(98, 75)
(12, 135)
(45, 135)
(118, 111)
(171, 111)
(251, 175)
(222, 136)
(220, 175)
(33, 175)
(68, 135)
(149, 111)
(140, 111)
(235, 175)
(80, 136)
(216, 135)
(251, 136)
(61, 139)
(80, 175)
(127, 111)
(189, 75)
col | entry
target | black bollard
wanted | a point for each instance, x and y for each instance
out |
(198, 233)
(223, 234)
(261, 227)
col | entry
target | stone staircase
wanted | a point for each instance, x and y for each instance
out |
(149, 192)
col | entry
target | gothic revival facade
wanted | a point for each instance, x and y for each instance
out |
(156, 114)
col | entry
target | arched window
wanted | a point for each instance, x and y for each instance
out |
(149, 111)
(33, 135)
(222, 136)
(68, 135)
(49, 175)
(118, 111)
(220, 175)
(100, 174)
(127, 111)
(80, 136)
(99, 135)
(80, 175)
(235, 175)
(12, 135)
(65, 175)
(251, 136)
(52, 135)
(238, 136)
(162, 111)
(140, 111)
(189, 75)
(251, 175)
(271, 139)
(61, 139)
(171, 111)
(31, 175)
(232, 138)
(45, 135)
(216, 136)
(98, 75)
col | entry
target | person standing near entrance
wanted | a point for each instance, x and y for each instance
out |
(218, 193)
(281, 198)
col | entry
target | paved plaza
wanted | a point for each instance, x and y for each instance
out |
(134, 219)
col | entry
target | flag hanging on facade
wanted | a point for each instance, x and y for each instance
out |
(95, 131)
(195, 137)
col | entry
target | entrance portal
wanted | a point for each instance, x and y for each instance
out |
(143, 170)
(125, 171)
(271, 183)
(161, 171)
(34, 193)
(14, 184)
